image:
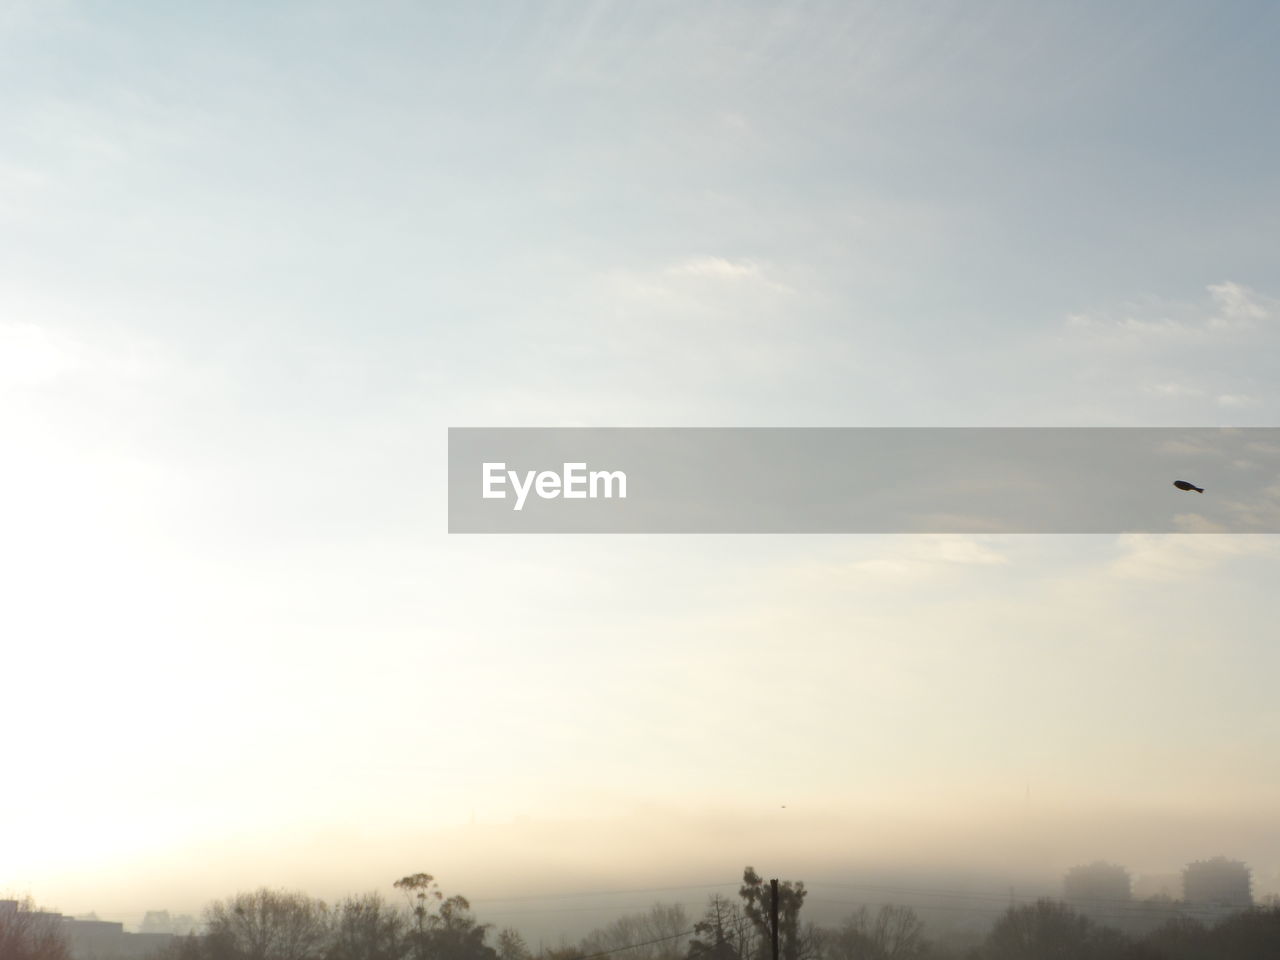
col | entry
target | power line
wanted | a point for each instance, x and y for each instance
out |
(633, 946)
(592, 909)
(603, 893)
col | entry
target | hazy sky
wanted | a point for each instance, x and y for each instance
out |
(256, 258)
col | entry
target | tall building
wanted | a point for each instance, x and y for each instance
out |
(1218, 885)
(1098, 888)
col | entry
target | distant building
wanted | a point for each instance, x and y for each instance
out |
(160, 921)
(21, 921)
(1218, 885)
(1098, 888)
(94, 939)
(104, 940)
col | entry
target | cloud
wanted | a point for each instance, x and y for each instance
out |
(1235, 400)
(1261, 513)
(1129, 326)
(717, 267)
(1176, 557)
(1174, 390)
(1195, 523)
(730, 271)
(699, 321)
(1189, 446)
(905, 559)
(1237, 307)
(1232, 307)
(1160, 359)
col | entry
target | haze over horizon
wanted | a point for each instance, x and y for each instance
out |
(540, 876)
(256, 260)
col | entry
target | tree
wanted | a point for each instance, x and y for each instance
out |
(794, 942)
(190, 947)
(511, 945)
(442, 929)
(1248, 935)
(894, 933)
(367, 928)
(1181, 938)
(662, 930)
(422, 892)
(267, 925)
(724, 932)
(27, 933)
(1048, 929)
(458, 936)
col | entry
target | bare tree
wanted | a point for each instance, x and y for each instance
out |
(662, 931)
(1050, 929)
(27, 933)
(267, 925)
(511, 945)
(894, 933)
(367, 928)
(190, 947)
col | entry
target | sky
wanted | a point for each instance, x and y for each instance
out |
(255, 260)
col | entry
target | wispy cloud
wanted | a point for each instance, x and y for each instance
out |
(1173, 390)
(1235, 400)
(1230, 308)
(729, 271)
(1163, 358)
(1175, 557)
(900, 560)
(1237, 307)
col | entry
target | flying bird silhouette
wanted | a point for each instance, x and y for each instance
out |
(1183, 485)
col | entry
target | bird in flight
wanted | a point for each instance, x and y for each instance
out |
(1183, 485)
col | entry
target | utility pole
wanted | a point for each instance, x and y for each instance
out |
(773, 915)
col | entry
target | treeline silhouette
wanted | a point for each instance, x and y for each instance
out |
(268, 925)
(427, 925)
(1049, 928)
